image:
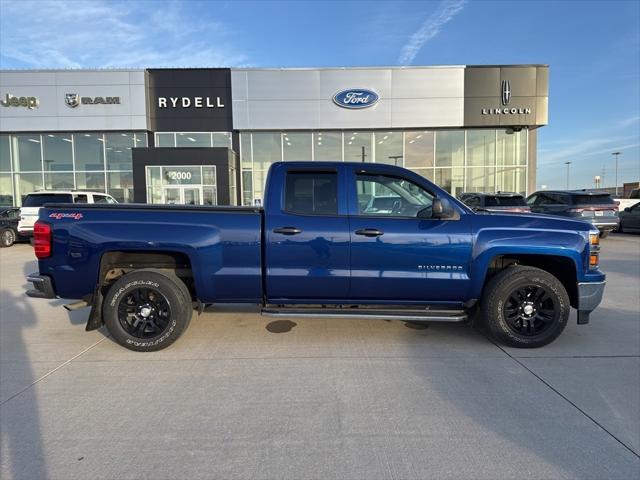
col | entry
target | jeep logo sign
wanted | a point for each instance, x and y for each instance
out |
(11, 101)
(356, 98)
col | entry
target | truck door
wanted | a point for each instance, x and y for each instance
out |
(397, 256)
(307, 236)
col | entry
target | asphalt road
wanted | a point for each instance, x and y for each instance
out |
(240, 396)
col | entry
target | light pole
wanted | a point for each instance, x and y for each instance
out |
(615, 154)
(568, 167)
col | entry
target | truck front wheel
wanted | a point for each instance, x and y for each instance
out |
(525, 307)
(147, 310)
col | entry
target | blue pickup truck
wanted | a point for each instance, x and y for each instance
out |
(352, 240)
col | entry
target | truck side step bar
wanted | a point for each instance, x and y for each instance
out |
(368, 313)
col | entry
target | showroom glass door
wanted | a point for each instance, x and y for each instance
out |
(182, 184)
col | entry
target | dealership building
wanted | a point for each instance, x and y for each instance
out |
(208, 136)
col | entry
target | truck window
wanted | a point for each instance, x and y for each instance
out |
(311, 193)
(81, 199)
(390, 196)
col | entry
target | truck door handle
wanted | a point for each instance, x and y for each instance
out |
(370, 232)
(287, 230)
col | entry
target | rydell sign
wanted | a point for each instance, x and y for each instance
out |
(356, 98)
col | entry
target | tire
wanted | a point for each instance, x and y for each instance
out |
(604, 233)
(7, 238)
(525, 307)
(147, 310)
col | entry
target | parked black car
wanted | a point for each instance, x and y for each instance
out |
(630, 219)
(9, 217)
(597, 208)
(499, 202)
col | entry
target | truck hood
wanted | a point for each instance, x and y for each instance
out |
(534, 221)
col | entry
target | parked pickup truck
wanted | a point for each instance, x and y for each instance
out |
(352, 240)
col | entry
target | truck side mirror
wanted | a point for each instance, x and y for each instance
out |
(437, 210)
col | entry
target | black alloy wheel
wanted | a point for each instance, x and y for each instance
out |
(144, 313)
(529, 310)
(525, 307)
(147, 310)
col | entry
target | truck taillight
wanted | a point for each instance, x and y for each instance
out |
(42, 239)
(594, 250)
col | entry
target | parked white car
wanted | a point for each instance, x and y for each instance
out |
(33, 201)
(628, 202)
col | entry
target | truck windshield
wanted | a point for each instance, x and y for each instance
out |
(515, 201)
(41, 199)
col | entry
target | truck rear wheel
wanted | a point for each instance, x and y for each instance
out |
(147, 310)
(525, 307)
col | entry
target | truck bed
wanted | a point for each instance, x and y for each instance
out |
(221, 244)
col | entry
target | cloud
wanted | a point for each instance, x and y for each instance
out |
(98, 33)
(445, 12)
(627, 122)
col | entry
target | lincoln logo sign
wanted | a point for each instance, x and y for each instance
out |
(355, 98)
(505, 93)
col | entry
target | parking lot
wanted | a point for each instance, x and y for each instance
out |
(241, 396)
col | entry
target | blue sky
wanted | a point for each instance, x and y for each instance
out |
(593, 49)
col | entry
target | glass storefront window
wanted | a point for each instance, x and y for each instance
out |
(221, 139)
(512, 147)
(118, 147)
(247, 187)
(193, 139)
(450, 148)
(357, 147)
(297, 146)
(451, 179)
(245, 150)
(511, 179)
(6, 191)
(141, 140)
(27, 183)
(89, 151)
(165, 140)
(481, 148)
(121, 186)
(93, 181)
(267, 149)
(327, 146)
(418, 150)
(389, 148)
(58, 181)
(480, 179)
(58, 152)
(27, 153)
(5, 153)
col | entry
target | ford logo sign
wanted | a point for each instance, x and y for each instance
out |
(355, 98)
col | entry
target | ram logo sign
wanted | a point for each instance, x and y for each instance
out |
(356, 98)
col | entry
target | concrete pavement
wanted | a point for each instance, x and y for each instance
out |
(342, 399)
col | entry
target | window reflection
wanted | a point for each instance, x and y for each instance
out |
(27, 153)
(58, 152)
(89, 151)
(357, 147)
(389, 148)
(327, 146)
(297, 146)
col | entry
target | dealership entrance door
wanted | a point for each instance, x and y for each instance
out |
(182, 184)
